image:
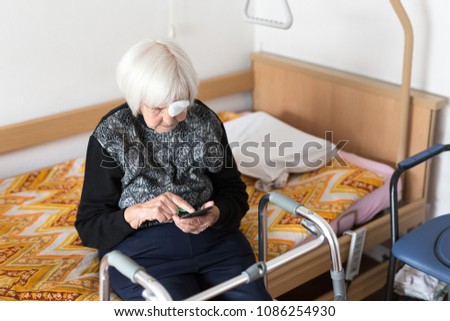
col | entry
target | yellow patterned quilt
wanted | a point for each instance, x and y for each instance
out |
(41, 257)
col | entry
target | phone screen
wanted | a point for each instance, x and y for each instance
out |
(200, 212)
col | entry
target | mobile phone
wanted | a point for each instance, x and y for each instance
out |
(199, 212)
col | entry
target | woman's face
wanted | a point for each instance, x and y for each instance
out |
(159, 119)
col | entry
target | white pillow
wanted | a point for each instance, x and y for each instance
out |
(268, 149)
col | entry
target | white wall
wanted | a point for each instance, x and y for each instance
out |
(57, 55)
(365, 37)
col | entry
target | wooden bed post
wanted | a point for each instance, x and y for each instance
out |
(405, 96)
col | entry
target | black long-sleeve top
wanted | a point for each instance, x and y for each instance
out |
(128, 163)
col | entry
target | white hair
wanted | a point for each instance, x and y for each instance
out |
(156, 73)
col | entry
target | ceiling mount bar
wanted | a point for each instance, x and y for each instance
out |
(405, 95)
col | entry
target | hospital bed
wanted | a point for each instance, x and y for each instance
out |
(41, 255)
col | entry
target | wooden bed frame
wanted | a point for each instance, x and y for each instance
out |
(365, 112)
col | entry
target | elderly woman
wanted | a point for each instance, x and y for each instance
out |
(160, 153)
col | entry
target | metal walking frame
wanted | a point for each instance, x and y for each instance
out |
(154, 291)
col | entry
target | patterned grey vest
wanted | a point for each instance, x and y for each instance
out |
(153, 163)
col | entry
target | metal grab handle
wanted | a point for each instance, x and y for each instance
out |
(268, 22)
(153, 290)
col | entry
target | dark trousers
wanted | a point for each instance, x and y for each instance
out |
(186, 264)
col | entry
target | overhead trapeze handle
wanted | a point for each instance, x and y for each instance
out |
(268, 22)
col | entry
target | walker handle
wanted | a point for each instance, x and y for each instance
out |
(124, 264)
(284, 202)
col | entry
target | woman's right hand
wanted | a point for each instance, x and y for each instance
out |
(162, 208)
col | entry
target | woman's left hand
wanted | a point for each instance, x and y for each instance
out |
(198, 224)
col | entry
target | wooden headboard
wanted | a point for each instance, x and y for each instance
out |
(365, 112)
